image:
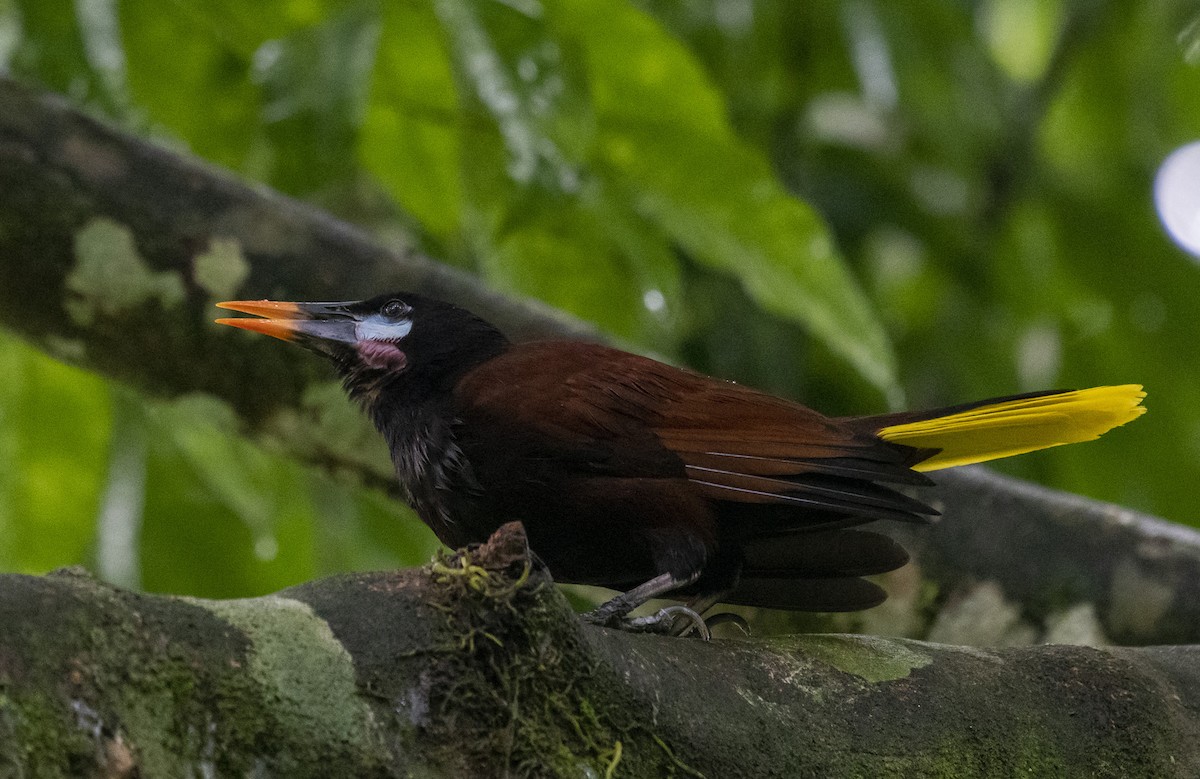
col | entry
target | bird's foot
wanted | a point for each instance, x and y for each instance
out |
(610, 614)
(662, 622)
(614, 613)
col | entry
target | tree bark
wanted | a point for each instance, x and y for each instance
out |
(475, 666)
(1050, 552)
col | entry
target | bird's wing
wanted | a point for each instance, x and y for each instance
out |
(636, 416)
(743, 446)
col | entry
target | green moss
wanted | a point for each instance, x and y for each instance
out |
(110, 276)
(120, 695)
(517, 687)
(1026, 749)
(222, 268)
(177, 687)
(35, 740)
(161, 701)
(259, 684)
(297, 660)
(868, 657)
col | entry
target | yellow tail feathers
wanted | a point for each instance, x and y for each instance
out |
(1009, 427)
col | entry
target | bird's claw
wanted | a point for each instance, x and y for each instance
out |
(663, 621)
(728, 617)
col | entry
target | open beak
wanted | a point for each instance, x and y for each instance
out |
(315, 325)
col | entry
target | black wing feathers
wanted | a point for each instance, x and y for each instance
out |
(816, 571)
(828, 493)
(836, 594)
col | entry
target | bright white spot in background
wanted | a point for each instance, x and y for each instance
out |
(1177, 196)
(10, 35)
(119, 520)
(266, 548)
(839, 117)
(1189, 39)
(654, 300)
(942, 192)
(734, 17)
(527, 69)
(871, 56)
(266, 56)
(1039, 355)
(99, 26)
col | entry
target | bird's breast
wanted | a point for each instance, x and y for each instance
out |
(435, 474)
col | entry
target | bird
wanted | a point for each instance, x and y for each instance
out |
(650, 479)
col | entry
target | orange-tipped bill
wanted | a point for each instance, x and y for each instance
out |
(279, 319)
(315, 325)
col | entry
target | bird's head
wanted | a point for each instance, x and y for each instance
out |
(401, 345)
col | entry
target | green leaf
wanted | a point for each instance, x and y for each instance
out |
(188, 79)
(595, 110)
(49, 49)
(664, 139)
(547, 256)
(215, 502)
(540, 222)
(277, 92)
(54, 429)
(359, 530)
(411, 135)
(316, 82)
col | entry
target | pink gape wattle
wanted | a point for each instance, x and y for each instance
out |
(383, 355)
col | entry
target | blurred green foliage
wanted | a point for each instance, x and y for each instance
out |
(855, 204)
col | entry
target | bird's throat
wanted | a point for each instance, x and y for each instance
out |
(382, 355)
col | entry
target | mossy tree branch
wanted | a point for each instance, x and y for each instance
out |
(475, 666)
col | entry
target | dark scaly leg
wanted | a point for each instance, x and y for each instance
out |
(618, 607)
(614, 612)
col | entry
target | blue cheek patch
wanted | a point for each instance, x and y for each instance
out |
(376, 328)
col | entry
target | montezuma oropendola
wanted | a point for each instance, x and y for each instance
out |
(649, 479)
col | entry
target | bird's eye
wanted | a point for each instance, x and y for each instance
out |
(394, 309)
